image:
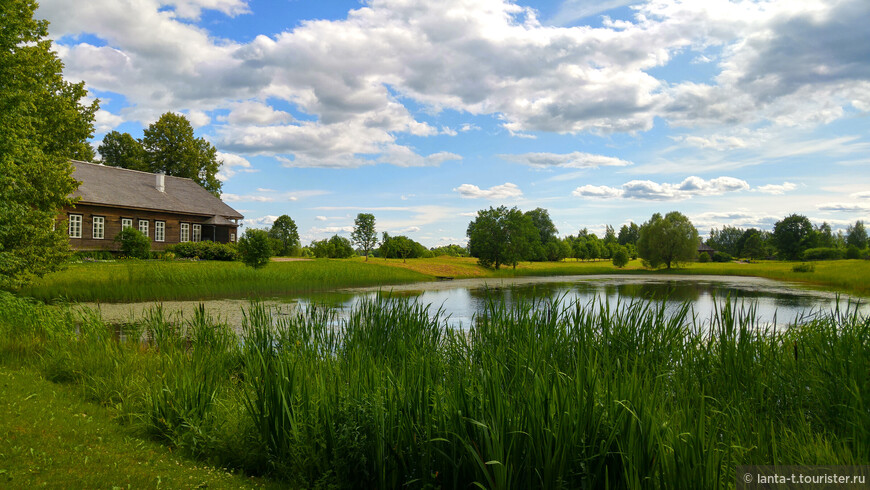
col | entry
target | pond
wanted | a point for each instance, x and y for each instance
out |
(775, 301)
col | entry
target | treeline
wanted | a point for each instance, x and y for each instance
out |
(793, 238)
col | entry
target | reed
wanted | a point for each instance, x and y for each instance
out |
(547, 394)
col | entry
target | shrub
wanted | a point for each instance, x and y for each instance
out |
(722, 257)
(703, 257)
(620, 257)
(822, 253)
(255, 248)
(804, 268)
(853, 252)
(134, 243)
(205, 250)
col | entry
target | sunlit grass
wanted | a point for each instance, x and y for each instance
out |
(128, 281)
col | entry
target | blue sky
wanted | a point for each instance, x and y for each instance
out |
(603, 112)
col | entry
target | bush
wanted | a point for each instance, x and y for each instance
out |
(703, 257)
(853, 252)
(804, 268)
(205, 250)
(822, 253)
(620, 257)
(255, 249)
(722, 257)
(134, 243)
(336, 247)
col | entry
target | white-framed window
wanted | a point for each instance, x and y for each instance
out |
(197, 233)
(99, 231)
(75, 226)
(126, 223)
(232, 237)
(143, 226)
(185, 232)
(159, 231)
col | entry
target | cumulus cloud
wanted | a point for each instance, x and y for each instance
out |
(566, 160)
(777, 189)
(652, 191)
(232, 164)
(861, 195)
(262, 221)
(255, 112)
(504, 191)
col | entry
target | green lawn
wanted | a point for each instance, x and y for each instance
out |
(50, 437)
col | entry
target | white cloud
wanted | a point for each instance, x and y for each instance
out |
(861, 195)
(320, 218)
(504, 191)
(261, 222)
(256, 113)
(566, 160)
(105, 121)
(844, 206)
(232, 164)
(777, 189)
(652, 191)
(191, 9)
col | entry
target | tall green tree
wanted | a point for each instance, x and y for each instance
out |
(170, 146)
(364, 234)
(500, 236)
(856, 236)
(285, 232)
(628, 234)
(667, 241)
(43, 124)
(726, 239)
(123, 150)
(791, 235)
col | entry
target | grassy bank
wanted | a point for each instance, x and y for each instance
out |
(50, 437)
(539, 396)
(130, 280)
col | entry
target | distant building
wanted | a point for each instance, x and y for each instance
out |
(167, 209)
(704, 248)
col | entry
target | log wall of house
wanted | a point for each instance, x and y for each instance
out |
(112, 223)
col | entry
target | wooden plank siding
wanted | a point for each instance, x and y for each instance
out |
(112, 226)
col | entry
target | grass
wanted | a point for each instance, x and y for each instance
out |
(541, 395)
(130, 280)
(50, 437)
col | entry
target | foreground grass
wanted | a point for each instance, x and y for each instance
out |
(50, 437)
(543, 395)
(131, 280)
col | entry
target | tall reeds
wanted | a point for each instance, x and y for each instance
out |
(546, 394)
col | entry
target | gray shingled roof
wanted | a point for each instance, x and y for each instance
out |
(113, 186)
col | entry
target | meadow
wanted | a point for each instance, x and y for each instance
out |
(132, 280)
(544, 395)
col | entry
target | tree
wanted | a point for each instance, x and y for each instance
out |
(856, 236)
(171, 147)
(43, 125)
(254, 248)
(790, 235)
(364, 234)
(726, 239)
(628, 234)
(340, 247)
(501, 236)
(753, 246)
(284, 231)
(123, 150)
(547, 231)
(620, 257)
(667, 241)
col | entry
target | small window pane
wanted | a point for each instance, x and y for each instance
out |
(197, 233)
(185, 232)
(159, 231)
(99, 227)
(126, 223)
(75, 226)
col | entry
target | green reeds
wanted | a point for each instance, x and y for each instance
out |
(542, 394)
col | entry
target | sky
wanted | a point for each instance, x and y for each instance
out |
(734, 113)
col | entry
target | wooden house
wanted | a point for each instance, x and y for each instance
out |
(167, 209)
(703, 248)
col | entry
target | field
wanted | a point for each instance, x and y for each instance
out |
(544, 395)
(128, 281)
